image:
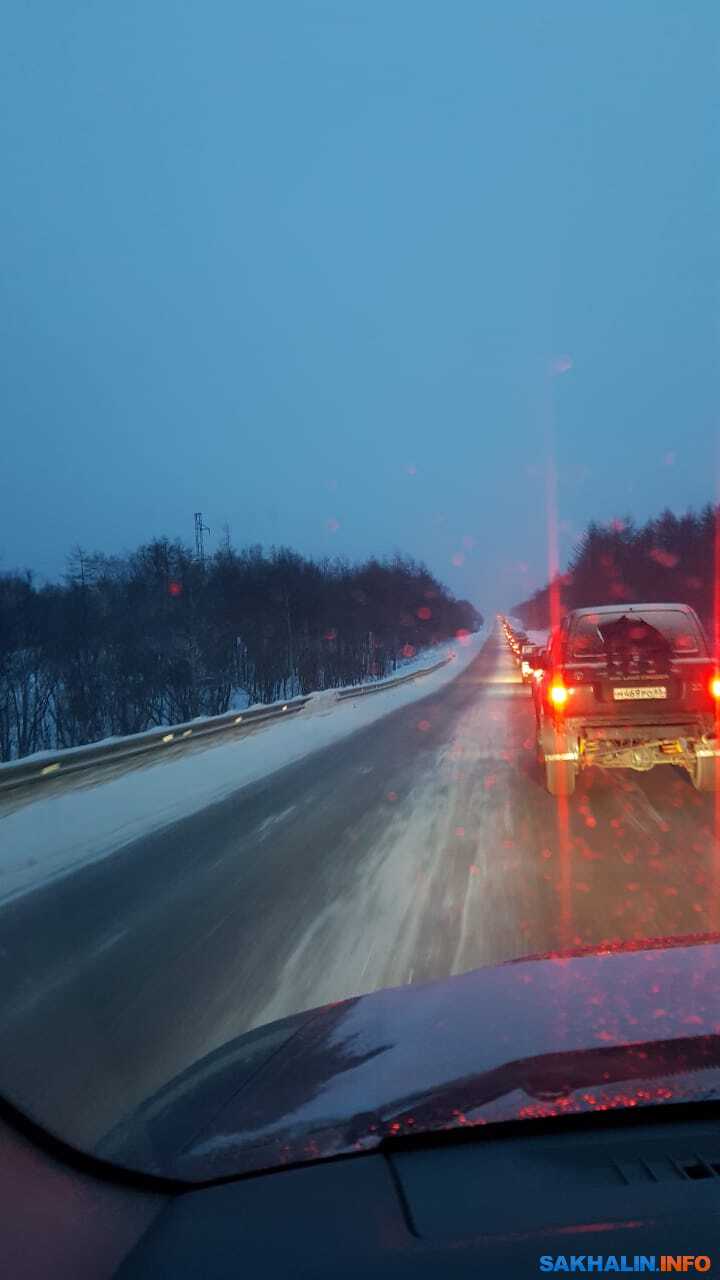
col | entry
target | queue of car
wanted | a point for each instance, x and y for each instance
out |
(524, 651)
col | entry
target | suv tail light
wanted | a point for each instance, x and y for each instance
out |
(558, 695)
(715, 687)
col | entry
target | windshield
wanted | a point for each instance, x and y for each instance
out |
(359, 382)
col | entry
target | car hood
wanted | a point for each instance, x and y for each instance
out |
(626, 1026)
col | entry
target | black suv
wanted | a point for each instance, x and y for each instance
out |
(628, 687)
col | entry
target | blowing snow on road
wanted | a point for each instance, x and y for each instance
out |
(417, 847)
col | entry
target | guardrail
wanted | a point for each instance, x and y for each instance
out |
(17, 773)
(20, 772)
(362, 689)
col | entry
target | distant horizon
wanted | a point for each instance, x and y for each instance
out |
(212, 547)
(211, 551)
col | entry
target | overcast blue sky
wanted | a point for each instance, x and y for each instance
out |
(306, 267)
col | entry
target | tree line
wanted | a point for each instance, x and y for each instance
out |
(667, 558)
(155, 637)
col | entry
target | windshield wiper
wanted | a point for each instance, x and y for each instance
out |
(554, 1076)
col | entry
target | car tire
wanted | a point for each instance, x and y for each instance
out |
(704, 774)
(560, 777)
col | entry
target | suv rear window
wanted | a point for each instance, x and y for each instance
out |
(677, 627)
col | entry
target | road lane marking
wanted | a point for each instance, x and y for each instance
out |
(362, 971)
(272, 821)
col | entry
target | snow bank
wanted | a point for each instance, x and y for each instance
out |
(56, 834)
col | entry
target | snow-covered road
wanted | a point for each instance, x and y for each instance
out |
(421, 845)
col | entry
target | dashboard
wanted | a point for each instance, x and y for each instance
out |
(509, 1200)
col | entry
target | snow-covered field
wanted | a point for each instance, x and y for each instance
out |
(54, 835)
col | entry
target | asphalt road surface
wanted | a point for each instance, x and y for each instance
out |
(422, 846)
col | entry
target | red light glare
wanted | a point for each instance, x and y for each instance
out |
(175, 588)
(424, 613)
(558, 695)
(715, 687)
(561, 364)
(667, 559)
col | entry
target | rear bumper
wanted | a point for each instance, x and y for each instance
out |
(630, 746)
(691, 727)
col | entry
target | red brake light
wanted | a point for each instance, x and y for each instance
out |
(715, 687)
(558, 695)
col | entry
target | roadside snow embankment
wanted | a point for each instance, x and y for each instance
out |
(56, 834)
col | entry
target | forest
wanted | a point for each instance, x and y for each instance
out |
(156, 636)
(668, 558)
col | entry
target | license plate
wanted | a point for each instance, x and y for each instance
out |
(640, 691)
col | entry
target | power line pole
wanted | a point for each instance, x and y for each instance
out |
(200, 530)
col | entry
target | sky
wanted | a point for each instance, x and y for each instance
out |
(357, 277)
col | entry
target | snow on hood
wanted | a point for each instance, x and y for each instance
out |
(481, 1047)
